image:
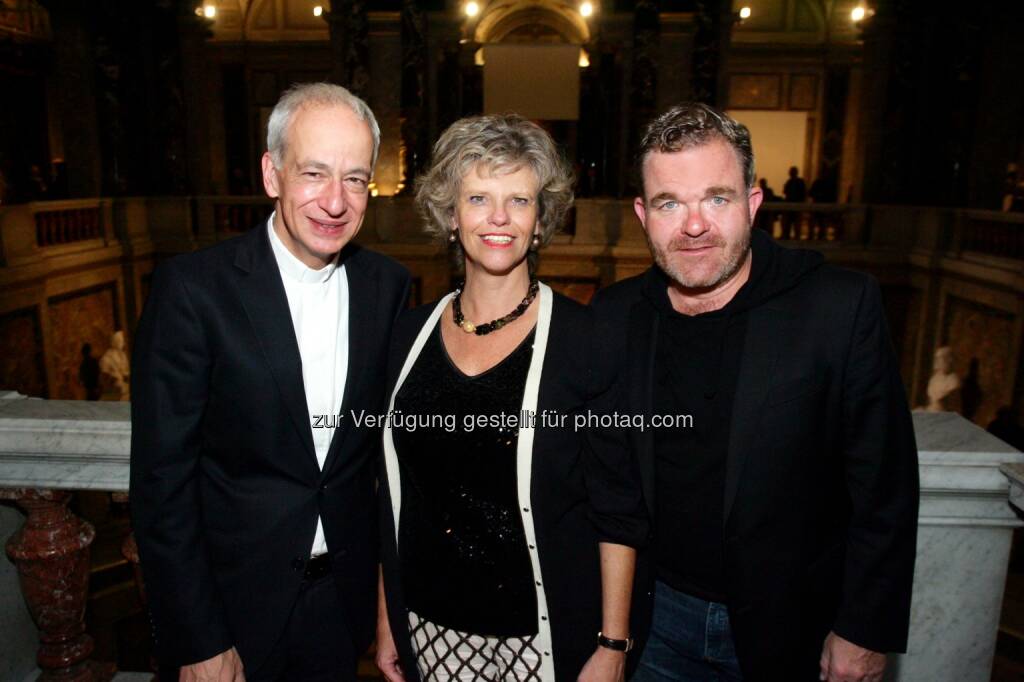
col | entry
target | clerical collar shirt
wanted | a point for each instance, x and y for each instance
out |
(318, 302)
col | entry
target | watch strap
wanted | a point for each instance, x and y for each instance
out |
(623, 645)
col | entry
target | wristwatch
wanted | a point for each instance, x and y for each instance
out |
(623, 645)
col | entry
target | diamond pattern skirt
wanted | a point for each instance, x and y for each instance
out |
(444, 654)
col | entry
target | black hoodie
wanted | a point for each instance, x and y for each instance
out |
(697, 363)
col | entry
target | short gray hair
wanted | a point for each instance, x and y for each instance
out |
(693, 124)
(502, 142)
(314, 94)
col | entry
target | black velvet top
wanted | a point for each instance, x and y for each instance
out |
(464, 558)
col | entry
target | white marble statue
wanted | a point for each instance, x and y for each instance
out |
(115, 370)
(944, 386)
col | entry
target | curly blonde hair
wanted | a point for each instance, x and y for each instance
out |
(502, 143)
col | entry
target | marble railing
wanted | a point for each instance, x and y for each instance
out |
(49, 448)
(1015, 472)
(965, 530)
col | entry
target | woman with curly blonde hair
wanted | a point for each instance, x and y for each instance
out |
(508, 543)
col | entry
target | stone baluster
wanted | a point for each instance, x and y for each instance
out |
(51, 552)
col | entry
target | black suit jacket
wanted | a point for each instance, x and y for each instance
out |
(225, 485)
(580, 493)
(821, 488)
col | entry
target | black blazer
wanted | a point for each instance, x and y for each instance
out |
(578, 495)
(225, 485)
(821, 489)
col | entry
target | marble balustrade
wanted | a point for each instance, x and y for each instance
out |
(49, 448)
(965, 530)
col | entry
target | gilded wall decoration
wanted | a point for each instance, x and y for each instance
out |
(755, 91)
(803, 92)
(21, 353)
(80, 318)
(982, 341)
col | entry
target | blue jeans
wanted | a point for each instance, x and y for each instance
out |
(690, 641)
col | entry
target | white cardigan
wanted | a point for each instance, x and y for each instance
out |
(524, 456)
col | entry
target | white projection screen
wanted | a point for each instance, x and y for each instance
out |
(779, 138)
(536, 81)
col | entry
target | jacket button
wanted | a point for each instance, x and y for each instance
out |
(298, 563)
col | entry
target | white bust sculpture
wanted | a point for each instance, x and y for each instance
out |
(944, 386)
(115, 370)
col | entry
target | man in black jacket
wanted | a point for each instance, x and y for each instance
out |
(785, 509)
(255, 517)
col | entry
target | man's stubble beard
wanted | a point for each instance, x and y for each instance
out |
(734, 259)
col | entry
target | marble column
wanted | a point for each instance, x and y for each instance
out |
(415, 139)
(195, 73)
(644, 71)
(74, 80)
(713, 28)
(348, 26)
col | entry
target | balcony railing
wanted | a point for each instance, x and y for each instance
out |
(993, 234)
(57, 225)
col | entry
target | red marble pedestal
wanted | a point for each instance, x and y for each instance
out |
(51, 552)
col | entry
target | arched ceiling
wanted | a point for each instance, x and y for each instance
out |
(543, 20)
(269, 20)
(796, 21)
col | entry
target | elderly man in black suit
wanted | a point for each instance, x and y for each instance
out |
(255, 519)
(785, 513)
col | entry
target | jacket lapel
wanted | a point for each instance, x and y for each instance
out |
(263, 297)
(363, 295)
(764, 336)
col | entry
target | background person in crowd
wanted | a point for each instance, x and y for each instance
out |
(795, 189)
(507, 549)
(257, 533)
(785, 520)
